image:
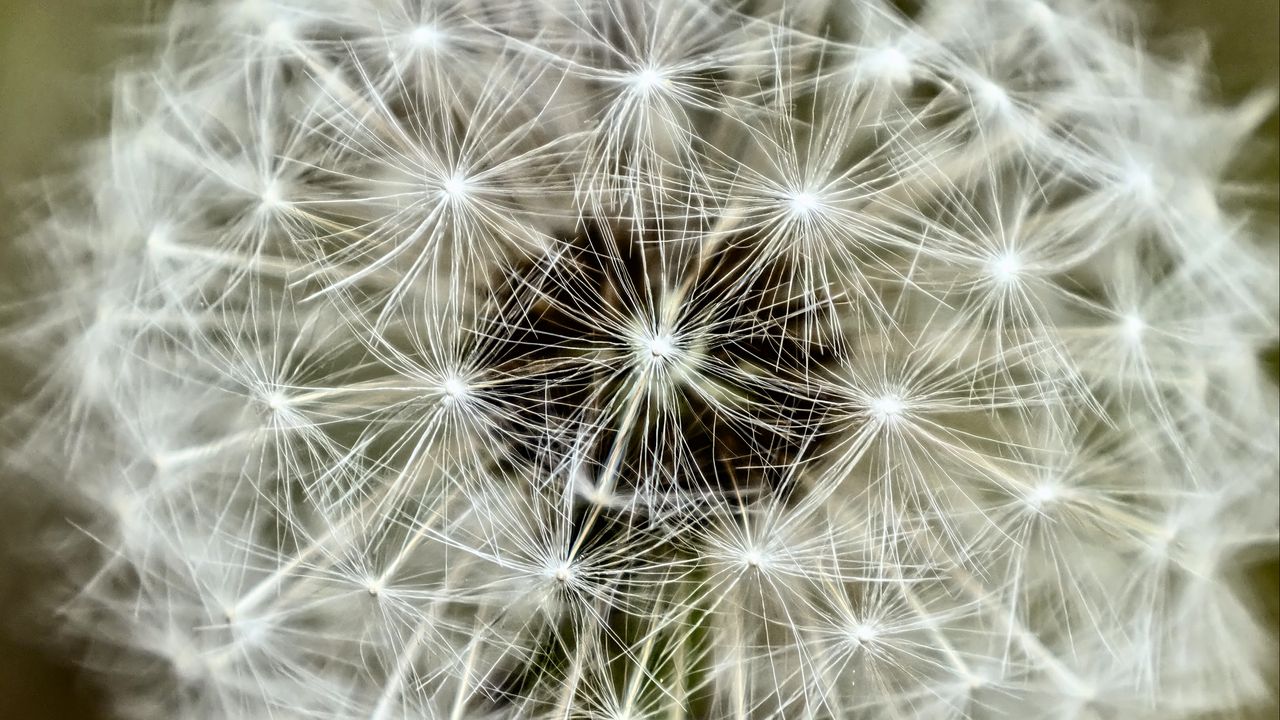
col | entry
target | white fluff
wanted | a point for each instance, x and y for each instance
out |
(658, 359)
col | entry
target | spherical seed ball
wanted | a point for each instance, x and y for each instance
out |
(657, 358)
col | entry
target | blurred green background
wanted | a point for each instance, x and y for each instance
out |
(55, 59)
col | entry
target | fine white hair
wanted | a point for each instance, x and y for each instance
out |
(628, 359)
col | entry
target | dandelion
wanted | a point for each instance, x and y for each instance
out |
(656, 359)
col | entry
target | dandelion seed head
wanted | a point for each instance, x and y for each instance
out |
(888, 408)
(561, 572)
(861, 634)
(454, 389)
(1132, 327)
(159, 237)
(277, 402)
(755, 559)
(1137, 179)
(654, 358)
(1006, 268)
(457, 187)
(660, 348)
(272, 197)
(647, 80)
(803, 203)
(279, 32)
(990, 97)
(187, 662)
(1044, 494)
(427, 36)
(889, 63)
(977, 680)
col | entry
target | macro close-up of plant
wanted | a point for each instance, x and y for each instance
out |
(655, 359)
